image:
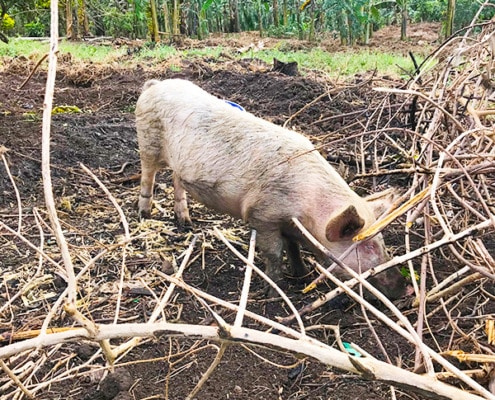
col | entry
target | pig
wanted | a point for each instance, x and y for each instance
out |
(241, 165)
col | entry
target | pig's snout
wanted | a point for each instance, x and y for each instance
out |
(391, 283)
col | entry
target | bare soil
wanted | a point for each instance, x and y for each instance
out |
(102, 137)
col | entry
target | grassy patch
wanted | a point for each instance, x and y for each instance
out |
(159, 53)
(28, 48)
(37, 48)
(88, 52)
(342, 63)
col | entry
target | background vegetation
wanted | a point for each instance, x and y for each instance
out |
(353, 21)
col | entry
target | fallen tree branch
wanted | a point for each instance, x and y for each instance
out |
(367, 367)
(45, 156)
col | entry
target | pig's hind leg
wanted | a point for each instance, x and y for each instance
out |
(180, 203)
(148, 173)
(271, 246)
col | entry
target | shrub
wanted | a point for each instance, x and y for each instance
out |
(8, 23)
(35, 28)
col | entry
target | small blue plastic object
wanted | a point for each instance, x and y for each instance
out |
(351, 350)
(235, 105)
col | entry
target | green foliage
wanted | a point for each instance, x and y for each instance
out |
(282, 31)
(160, 52)
(118, 23)
(352, 20)
(42, 4)
(88, 52)
(426, 10)
(21, 47)
(129, 21)
(36, 28)
(434, 10)
(207, 4)
(466, 10)
(8, 23)
(140, 17)
(82, 51)
(66, 110)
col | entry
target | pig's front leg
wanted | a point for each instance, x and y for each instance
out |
(296, 263)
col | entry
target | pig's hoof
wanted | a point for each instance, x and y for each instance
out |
(404, 303)
(184, 226)
(340, 302)
(144, 214)
(266, 292)
(269, 292)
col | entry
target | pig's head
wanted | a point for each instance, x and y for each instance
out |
(347, 223)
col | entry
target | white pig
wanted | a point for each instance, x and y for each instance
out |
(244, 166)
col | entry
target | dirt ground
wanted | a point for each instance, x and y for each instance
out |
(102, 137)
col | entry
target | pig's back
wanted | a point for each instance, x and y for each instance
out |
(192, 122)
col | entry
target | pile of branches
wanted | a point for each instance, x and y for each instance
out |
(446, 216)
(444, 149)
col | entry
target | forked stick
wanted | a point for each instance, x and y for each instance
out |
(368, 367)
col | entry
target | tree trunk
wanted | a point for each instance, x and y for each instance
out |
(449, 19)
(82, 18)
(350, 33)
(69, 20)
(403, 25)
(275, 14)
(260, 18)
(299, 21)
(176, 18)
(234, 24)
(166, 18)
(367, 26)
(155, 37)
(312, 35)
(285, 13)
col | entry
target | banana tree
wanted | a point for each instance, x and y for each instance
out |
(350, 18)
(397, 7)
(449, 18)
(155, 37)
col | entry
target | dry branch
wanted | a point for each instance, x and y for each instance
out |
(45, 155)
(367, 367)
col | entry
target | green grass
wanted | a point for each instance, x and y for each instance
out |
(88, 52)
(344, 63)
(81, 51)
(159, 52)
(26, 48)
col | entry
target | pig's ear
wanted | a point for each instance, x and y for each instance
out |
(382, 201)
(344, 226)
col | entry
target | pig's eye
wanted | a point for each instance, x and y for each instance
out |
(370, 247)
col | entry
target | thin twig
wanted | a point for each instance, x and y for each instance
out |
(15, 379)
(247, 281)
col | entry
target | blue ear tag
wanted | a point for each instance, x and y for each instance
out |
(351, 350)
(235, 105)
